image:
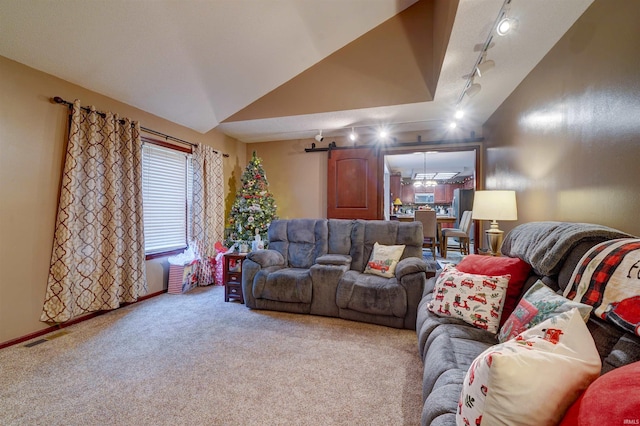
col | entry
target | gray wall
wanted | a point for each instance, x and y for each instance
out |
(568, 138)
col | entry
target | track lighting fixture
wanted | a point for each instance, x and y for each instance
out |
(319, 137)
(502, 25)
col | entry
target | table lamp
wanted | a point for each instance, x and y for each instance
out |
(494, 206)
(396, 205)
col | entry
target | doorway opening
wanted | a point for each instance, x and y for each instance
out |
(435, 178)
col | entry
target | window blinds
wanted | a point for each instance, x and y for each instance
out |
(165, 185)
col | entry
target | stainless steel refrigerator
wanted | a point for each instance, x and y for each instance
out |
(462, 200)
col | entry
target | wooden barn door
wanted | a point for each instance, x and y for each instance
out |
(352, 184)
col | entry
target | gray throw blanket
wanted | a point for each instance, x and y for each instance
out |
(544, 245)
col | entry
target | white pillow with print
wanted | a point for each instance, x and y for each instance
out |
(532, 379)
(475, 299)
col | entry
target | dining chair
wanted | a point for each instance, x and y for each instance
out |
(461, 233)
(429, 229)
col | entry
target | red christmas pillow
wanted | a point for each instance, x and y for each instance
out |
(490, 265)
(612, 399)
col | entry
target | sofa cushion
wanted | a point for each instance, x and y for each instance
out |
(538, 304)
(475, 299)
(340, 235)
(434, 325)
(449, 352)
(383, 260)
(518, 269)
(300, 241)
(283, 285)
(365, 233)
(371, 294)
(533, 379)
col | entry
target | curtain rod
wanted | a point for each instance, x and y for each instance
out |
(59, 100)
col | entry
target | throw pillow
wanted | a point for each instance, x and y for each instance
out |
(608, 278)
(475, 299)
(533, 379)
(612, 398)
(502, 265)
(538, 304)
(383, 260)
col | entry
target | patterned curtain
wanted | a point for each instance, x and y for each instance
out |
(208, 208)
(98, 258)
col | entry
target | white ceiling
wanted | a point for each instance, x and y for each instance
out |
(196, 63)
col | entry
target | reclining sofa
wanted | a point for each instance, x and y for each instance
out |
(448, 346)
(317, 266)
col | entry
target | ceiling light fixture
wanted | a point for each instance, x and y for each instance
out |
(427, 179)
(459, 114)
(382, 134)
(319, 137)
(453, 125)
(353, 135)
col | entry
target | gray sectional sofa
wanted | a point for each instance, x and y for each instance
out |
(448, 346)
(316, 266)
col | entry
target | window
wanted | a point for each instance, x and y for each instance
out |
(166, 191)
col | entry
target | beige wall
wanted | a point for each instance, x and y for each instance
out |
(32, 144)
(298, 180)
(568, 138)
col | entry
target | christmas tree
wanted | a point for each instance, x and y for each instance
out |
(254, 207)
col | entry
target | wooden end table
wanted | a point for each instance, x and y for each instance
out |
(232, 276)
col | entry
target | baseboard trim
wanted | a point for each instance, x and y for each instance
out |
(47, 330)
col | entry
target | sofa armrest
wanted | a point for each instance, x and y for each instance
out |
(334, 259)
(266, 258)
(410, 265)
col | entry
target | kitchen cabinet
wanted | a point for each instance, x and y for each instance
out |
(440, 194)
(395, 183)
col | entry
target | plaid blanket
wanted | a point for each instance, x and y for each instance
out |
(608, 278)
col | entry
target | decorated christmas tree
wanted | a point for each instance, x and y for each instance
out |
(254, 207)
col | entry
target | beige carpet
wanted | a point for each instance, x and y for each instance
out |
(194, 359)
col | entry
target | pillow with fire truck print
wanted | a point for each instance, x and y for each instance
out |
(532, 379)
(383, 260)
(475, 299)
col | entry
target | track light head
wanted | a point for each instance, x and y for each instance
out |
(485, 66)
(473, 90)
(319, 137)
(505, 25)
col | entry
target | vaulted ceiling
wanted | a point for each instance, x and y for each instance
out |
(263, 70)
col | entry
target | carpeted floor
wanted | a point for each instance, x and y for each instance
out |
(194, 359)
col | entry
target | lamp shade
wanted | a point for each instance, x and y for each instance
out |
(397, 202)
(495, 205)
